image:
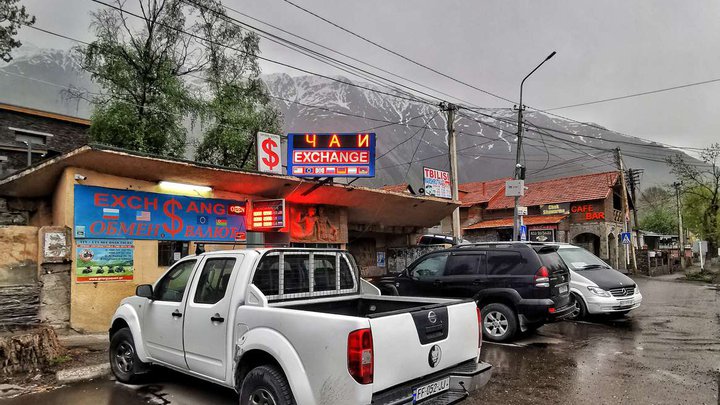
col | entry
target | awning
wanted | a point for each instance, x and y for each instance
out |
(365, 205)
(508, 222)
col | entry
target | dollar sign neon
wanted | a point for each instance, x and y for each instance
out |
(169, 209)
(272, 158)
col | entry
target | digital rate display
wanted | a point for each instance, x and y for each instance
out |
(331, 155)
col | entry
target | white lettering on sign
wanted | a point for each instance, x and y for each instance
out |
(330, 156)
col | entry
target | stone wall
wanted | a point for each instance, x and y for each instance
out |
(481, 235)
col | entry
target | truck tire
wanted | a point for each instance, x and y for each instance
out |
(499, 322)
(124, 361)
(266, 385)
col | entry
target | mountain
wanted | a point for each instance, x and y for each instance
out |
(406, 130)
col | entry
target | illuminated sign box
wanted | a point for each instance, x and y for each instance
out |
(267, 214)
(331, 155)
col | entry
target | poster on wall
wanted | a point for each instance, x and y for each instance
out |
(127, 214)
(104, 260)
(436, 183)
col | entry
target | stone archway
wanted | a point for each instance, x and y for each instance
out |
(613, 250)
(589, 241)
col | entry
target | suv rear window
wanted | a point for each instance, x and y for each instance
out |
(553, 262)
(505, 262)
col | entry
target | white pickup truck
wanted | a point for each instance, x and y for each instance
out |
(298, 326)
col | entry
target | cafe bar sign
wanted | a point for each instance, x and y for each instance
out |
(127, 214)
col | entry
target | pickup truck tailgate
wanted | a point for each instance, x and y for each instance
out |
(406, 345)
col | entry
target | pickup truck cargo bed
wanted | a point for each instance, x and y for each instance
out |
(365, 307)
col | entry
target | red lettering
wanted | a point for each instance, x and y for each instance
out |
(189, 231)
(151, 203)
(100, 200)
(118, 201)
(127, 229)
(219, 209)
(131, 204)
(192, 207)
(111, 228)
(141, 229)
(94, 227)
(206, 208)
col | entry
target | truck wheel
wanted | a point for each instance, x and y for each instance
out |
(124, 362)
(499, 322)
(265, 385)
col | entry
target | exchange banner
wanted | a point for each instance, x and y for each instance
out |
(126, 214)
(104, 260)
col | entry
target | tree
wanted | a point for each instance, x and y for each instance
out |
(239, 104)
(657, 211)
(12, 17)
(140, 68)
(701, 193)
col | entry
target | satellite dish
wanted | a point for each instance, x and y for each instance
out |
(421, 190)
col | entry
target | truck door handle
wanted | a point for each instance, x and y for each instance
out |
(177, 314)
(217, 318)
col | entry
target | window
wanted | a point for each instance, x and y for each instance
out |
(554, 263)
(214, 280)
(170, 251)
(295, 270)
(462, 265)
(325, 273)
(504, 263)
(346, 275)
(433, 266)
(266, 276)
(172, 286)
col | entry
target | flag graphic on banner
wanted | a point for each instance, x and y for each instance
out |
(142, 216)
(342, 170)
(111, 213)
(330, 170)
(298, 170)
(363, 170)
(221, 222)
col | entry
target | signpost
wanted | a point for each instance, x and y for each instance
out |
(625, 238)
(523, 233)
(437, 183)
(268, 153)
(522, 211)
(331, 155)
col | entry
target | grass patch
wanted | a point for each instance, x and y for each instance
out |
(704, 277)
(60, 360)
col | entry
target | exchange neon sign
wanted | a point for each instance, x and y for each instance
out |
(331, 155)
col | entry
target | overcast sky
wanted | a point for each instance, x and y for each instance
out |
(604, 49)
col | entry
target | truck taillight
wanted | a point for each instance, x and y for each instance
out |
(542, 277)
(480, 330)
(360, 355)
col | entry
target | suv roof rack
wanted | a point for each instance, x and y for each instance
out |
(534, 245)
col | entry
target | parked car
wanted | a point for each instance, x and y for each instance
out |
(435, 239)
(517, 286)
(596, 287)
(298, 326)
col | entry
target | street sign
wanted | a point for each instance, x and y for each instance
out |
(625, 238)
(331, 155)
(522, 210)
(268, 153)
(514, 188)
(523, 233)
(436, 183)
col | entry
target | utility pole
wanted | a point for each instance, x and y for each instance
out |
(634, 181)
(518, 152)
(681, 238)
(628, 249)
(454, 177)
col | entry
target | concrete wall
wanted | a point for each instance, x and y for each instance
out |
(20, 254)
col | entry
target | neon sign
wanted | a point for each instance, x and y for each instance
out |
(331, 155)
(589, 211)
(268, 214)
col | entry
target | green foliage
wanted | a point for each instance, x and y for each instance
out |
(239, 105)
(12, 17)
(140, 69)
(663, 221)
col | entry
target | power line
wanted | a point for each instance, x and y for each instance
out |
(396, 53)
(644, 93)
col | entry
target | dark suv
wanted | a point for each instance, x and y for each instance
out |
(519, 286)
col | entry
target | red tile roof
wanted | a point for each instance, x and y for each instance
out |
(480, 191)
(586, 187)
(508, 222)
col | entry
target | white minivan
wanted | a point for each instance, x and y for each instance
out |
(596, 287)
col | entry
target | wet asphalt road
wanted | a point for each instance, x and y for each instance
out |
(666, 352)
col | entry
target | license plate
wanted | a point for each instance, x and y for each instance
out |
(563, 289)
(431, 389)
(626, 303)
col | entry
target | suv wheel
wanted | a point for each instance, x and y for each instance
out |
(265, 385)
(124, 361)
(579, 309)
(499, 322)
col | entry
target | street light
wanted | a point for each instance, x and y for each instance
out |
(518, 167)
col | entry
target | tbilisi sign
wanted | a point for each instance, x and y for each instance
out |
(331, 155)
(436, 183)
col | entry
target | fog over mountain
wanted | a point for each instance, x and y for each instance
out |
(486, 137)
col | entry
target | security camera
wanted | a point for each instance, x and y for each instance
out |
(80, 177)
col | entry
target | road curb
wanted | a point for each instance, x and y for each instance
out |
(72, 375)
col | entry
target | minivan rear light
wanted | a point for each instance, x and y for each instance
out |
(480, 327)
(360, 355)
(542, 277)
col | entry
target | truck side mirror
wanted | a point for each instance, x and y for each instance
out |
(144, 290)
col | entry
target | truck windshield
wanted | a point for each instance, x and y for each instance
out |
(579, 259)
